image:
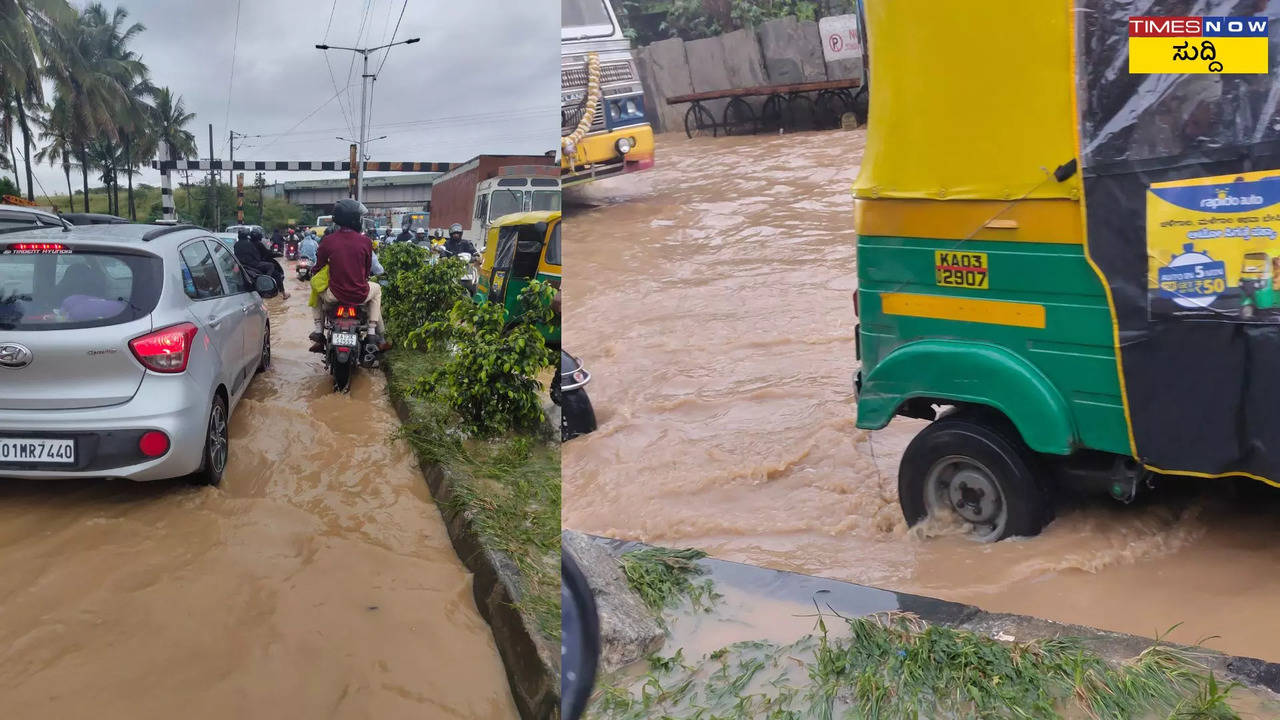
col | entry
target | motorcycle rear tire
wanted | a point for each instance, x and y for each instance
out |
(341, 375)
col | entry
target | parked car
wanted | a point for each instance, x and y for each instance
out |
(79, 219)
(17, 216)
(124, 350)
(228, 238)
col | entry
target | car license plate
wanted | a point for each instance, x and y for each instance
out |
(345, 339)
(37, 450)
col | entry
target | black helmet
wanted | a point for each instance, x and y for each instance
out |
(348, 212)
(242, 233)
(455, 229)
(255, 235)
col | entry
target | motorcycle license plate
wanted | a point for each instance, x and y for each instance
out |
(345, 340)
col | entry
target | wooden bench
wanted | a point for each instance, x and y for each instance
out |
(786, 106)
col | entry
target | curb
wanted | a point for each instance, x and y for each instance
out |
(532, 662)
(853, 599)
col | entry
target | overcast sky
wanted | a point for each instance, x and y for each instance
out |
(485, 77)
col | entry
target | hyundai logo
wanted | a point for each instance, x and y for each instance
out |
(14, 355)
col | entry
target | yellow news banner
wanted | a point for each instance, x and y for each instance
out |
(1186, 55)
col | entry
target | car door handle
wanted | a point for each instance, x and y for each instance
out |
(214, 322)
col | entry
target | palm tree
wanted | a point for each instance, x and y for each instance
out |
(169, 119)
(57, 127)
(6, 130)
(103, 82)
(25, 31)
(107, 156)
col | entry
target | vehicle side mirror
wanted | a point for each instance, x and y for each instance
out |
(266, 286)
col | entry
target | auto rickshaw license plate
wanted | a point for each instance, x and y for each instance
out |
(961, 269)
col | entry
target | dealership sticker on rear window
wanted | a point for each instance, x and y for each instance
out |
(961, 269)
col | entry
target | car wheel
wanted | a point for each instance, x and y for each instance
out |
(576, 415)
(976, 467)
(216, 446)
(264, 362)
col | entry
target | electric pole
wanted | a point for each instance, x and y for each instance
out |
(213, 190)
(365, 77)
(261, 181)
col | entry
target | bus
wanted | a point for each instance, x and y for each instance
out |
(618, 138)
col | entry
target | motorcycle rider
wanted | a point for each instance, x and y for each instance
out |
(251, 254)
(405, 235)
(277, 240)
(308, 247)
(456, 244)
(419, 235)
(348, 254)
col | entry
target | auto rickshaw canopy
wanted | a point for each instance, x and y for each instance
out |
(970, 101)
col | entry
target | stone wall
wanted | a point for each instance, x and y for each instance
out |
(780, 51)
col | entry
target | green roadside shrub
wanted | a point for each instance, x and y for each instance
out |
(490, 375)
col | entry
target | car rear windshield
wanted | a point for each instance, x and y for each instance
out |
(65, 289)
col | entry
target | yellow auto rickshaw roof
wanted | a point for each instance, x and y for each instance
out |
(526, 218)
(969, 100)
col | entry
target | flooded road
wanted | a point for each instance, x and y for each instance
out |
(318, 581)
(711, 302)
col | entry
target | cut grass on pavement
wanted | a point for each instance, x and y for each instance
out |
(663, 578)
(893, 665)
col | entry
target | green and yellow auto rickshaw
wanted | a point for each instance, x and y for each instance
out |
(521, 247)
(1259, 283)
(1017, 178)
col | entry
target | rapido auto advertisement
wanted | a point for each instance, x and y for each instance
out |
(1212, 248)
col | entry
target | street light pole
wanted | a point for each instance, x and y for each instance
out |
(364, 85)
(365, 77)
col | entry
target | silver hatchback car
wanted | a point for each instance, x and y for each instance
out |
(123, 351)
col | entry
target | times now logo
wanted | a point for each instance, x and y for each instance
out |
(1193, 26)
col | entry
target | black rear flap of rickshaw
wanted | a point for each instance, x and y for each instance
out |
(1202, 379)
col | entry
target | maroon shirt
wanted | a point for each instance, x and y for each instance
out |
(349, 255)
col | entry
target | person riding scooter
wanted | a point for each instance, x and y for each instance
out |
(251, 253)
(348, 254)
(456, 244)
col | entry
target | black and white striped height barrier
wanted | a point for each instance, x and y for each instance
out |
(298, 165)
(167, 166)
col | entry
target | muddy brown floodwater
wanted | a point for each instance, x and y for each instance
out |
(318, 581)
(711, 302)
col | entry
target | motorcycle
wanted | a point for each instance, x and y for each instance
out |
(470, 279)
(291, 249)
(347, 344)
(568, 390)
(303, 268)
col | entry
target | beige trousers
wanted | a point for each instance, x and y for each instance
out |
(373, 303)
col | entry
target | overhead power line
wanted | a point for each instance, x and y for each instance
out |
(226, 120)
(305, 118)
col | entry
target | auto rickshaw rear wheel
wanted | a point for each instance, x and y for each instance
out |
(975, 465)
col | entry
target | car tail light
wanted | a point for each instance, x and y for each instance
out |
(153, 443)
(166, 350)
